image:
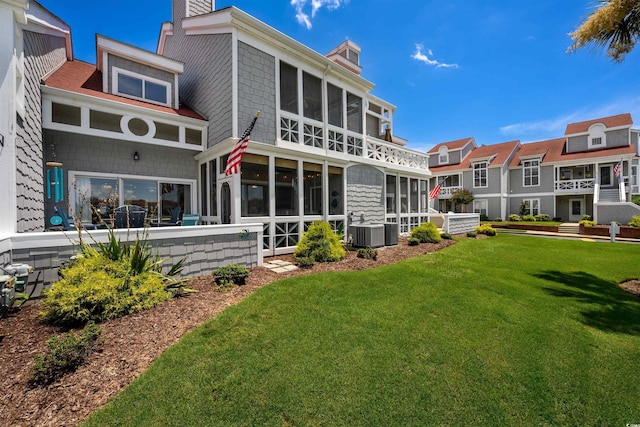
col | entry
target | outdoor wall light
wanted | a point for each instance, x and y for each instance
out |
(136, 156)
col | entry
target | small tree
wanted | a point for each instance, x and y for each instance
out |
(461, 197)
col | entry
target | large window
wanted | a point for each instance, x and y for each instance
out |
(480, 174)
(288, 88)
(312, 189)
(413, 200)
(480, 206)
(96, 198)
(531, 206)
(312, 97)
(336, 196)
(392, 195)
(531, 172)
(334, 101)
(142, 87)
(286, 191)
(354, 113)
(254, 181)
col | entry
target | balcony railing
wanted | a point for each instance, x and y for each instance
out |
(576, 185)
(377, 149)
(447, 191)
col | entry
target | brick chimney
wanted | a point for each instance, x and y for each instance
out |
(347, 54)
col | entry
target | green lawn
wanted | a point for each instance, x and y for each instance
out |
(511, 330)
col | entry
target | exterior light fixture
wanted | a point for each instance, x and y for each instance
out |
(136, 156)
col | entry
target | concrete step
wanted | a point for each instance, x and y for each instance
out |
(569, 228)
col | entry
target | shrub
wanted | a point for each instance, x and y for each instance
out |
(94, 287)
(557, 219)
(635, 221)
(320, 243)
(368, 253)
(529, 218)
(472, 234)
(446, 236)
(586, 218)
(427, 232)
(64, 354)
(412, 241)
(587, 223)
(542, 217)
(231, 274)
(635, 199)
(498, 219)
(515, 218)
(484, 217)
(304, 261)
(486, 229)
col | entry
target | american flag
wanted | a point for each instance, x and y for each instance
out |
(618, 168)
(235, 157)
(436, 190)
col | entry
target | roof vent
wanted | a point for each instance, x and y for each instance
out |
(347, 54)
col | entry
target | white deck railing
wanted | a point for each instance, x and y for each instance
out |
(377, 149)
(573, 185)
(447, 191)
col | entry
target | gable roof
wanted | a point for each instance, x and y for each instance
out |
(496, 154)
(608, 122)
(84, 78)
(453, 145)
(547, 150)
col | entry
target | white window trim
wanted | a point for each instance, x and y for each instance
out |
(525, 167)
(596, 131)
(481, 204)
(443, 155)
(531, 203)
(116, 71)
(486, 169)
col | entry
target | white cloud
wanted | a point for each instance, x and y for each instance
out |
(302, 14)
(555, 127)
(422, 57)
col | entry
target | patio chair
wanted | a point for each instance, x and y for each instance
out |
(190, 219)
(129, 216)
(68, 224)
(175, 215)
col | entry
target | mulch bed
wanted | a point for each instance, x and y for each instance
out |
(632, 286)
(131, 343)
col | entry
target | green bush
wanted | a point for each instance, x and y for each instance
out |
(427, 232)
(97, 288)
(586, 218)
(412, 241)
(587, 222)
(498, 219)
(529, 218)
(446, 236)
(64, 354)
(486, 229)
(635, 221)
(542, 217)
(320, 243)
(231, 274)
(368, 253)
(557, 219)
(484, 217)
(635, 199)
(304, 261)
(514, 218)
(472, 234)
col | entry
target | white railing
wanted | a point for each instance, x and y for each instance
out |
(622, 191)
(447, 191)
(394, 154)
(576, 185)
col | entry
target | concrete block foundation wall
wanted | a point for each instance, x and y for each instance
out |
(206, 247)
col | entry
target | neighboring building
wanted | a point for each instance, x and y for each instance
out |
(481, 170)
(565, 178)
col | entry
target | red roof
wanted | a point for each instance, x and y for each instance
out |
(498, 154)
(453, 145)
(81, 77)
(608, 122)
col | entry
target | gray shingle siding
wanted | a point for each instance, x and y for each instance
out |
(207, 82)
(622, 213)
(547, 181)
(493, 182)
(617, 138)
(257, 91)
(137, 67)
(466, 150)
(545, 207)
(199, 7)
(42, 53)
(576, 144)
(365, 186)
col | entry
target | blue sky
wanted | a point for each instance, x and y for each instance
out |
(496, 70)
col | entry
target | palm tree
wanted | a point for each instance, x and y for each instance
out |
(614, 25)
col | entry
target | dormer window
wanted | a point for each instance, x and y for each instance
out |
(443, 155)
(137, 86)
(597, 136)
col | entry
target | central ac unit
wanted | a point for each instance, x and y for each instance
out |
(371, 235)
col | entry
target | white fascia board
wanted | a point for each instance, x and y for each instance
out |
(165, 30)
(138, 55)
(80, 99)
(40, 20)
(381, 102)
(592, 160)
